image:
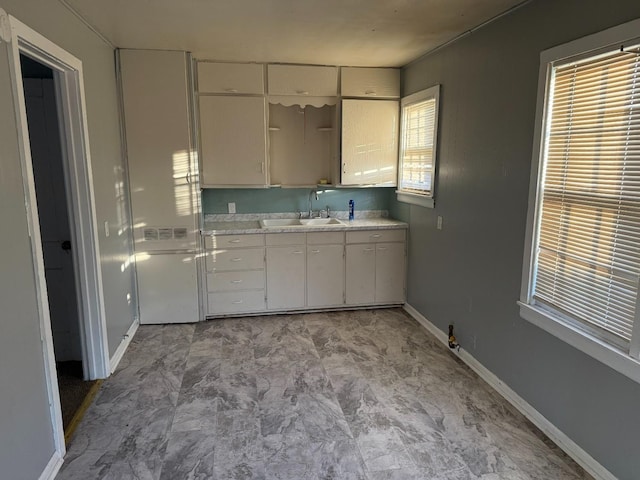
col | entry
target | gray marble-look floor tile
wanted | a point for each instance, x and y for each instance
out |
(190, 456)
(352, 395)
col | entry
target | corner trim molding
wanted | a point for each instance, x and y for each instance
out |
(52, 468)
(124, 344)
(571, 448)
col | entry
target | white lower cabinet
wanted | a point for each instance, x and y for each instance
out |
(390, 272)
(325, 277)
(375, 267)
(297, 271)
(361, 274)
(285, 277)
(235, 274)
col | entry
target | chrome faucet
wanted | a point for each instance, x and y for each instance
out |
(313, 192)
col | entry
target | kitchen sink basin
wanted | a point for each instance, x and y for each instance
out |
(280, 222)
(294, 222)
(320, 222)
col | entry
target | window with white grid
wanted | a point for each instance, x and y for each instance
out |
(418, 132)
(584, 268)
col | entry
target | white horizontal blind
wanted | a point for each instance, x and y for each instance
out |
(588, 244)
(418, 142)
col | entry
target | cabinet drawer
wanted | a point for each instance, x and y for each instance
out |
(286, 239)
(375, 236)
(236, 302)
(231, 241)
(317, 238)
(313, 81)
(370, 82)
(235, 281)
(240, 78)
(235, 259)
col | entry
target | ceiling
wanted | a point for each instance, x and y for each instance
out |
(332, 32)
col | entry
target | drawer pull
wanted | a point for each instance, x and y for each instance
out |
(382, 248)
(368, 250)
(239, 259)
(376, 235)
(237, 302)
(236, 281)
(237, 240)
(302, 92)
(315, 251)
(297, 252)
(231, 90)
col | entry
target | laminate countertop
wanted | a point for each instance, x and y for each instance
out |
(253, 226)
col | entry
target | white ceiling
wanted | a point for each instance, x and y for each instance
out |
(333, 32)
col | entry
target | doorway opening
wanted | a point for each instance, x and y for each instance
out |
(84, 252)
(52, 195)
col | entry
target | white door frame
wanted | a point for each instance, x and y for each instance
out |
(77, 164)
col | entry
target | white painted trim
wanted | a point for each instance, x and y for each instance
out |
(52, 468)
(586, 342)
(71, 105)
(70, 88)
(571, 448)
(124, 344)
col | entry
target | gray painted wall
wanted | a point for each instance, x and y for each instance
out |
(25, 432)
(469, 273)
(59, 25)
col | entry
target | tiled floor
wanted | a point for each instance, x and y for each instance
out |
(343, 395)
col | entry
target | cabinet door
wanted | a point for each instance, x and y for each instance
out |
(233, 140)
(370, 142)
(285, 277)
(216, 77)
(156, 112)
(370, 82)
(325, 275)
(305, 80)
(390, 272)
(360, 274)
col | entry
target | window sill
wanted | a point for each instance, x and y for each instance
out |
(592, 346)
(415, 199)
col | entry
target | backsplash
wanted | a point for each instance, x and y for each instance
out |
(278, 200)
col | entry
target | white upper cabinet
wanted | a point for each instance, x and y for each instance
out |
(233, 143)
(370, 82)
(303, 80)
(241, 78)
(370, 142)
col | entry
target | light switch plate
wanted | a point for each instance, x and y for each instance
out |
(232, 207)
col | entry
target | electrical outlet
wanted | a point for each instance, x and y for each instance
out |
(231, 207)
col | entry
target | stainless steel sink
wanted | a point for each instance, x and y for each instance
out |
(294, 222)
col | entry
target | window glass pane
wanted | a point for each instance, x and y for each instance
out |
(588, 243)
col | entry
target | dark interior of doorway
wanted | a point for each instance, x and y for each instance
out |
(55, 229)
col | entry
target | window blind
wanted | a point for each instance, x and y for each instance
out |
(588, 244)
(419, 123)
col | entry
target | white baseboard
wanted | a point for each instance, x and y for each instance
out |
(52, 468)
(571, 448)
(117, 356)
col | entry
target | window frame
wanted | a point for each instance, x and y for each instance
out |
(574, 333)
(408, 196)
